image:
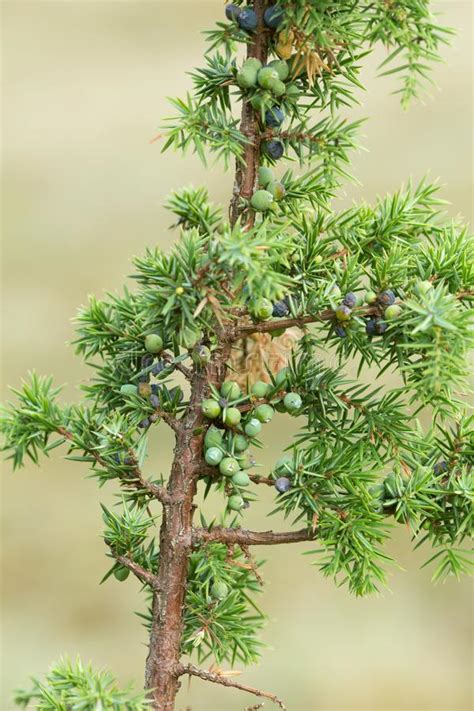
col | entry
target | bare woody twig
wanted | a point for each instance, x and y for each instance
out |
(141, 573)
(225, 681)
(244, 537)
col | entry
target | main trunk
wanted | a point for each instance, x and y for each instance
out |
(162, 677)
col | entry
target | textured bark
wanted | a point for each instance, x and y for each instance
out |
(162, 666)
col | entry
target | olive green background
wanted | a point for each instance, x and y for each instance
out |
(84, 91)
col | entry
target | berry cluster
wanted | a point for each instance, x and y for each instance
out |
(237, 421)
(269, 192)
(376, 324)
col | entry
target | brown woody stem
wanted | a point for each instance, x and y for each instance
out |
(243, 537)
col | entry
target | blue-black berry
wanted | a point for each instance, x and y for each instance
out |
(280, 309)
(282, 484)
(158, 367)
(350, 300)
(144, 424)
(274, 117)
(440, 467)
(340, 331)
(155, 401)
(273, 16)
(380, 327)
(247, 20)
(275, 149)
(232, 11)
(386, 298)
(370, 327)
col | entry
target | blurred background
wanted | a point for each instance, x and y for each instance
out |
(84, 89)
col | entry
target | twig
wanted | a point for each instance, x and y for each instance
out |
(219, 678)
(244, 537)
(141, 573)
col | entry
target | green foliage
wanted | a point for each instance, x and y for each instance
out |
(387, 286)
(78, 687)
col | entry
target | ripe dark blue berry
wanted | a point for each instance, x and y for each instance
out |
(340, 331)
(144, 424)
(155, 401)
(274, 117)
(275, 149)
(350, 300)
(158, 367)
(147, 360)
(380, 327)
(370, 327)
(247, 20)
(280, 309)
(386, 298)
(273, 16)
(282, 484)
(440, 467)
(232, 11)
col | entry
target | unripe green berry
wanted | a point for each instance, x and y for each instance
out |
(282, 68)
(262, 200)
(370, 297)
(241, 479)
(229, 466)
(422, 287)
(235, 502)
(262, 309)
(281, 378)
(265, 176)
(260, 389)
(153, 343)
(230, 390)
(392, 312)
(277, 87)
(211, 409)
(213, 437)
(121, 573)
(241, 443)
(277, 189)
(232, 416)
(213, 456)
(201, 355)
(129, 389)
(266, 76)
(246, 461)
(284, 464)
(219, 590)
(264, 413)
(292, 402)
(253, 427)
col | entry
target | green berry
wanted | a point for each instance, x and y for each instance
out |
(211, 409)
(260, 389)
(213, 456)
(284, 464)
(232, 416)
(392, 312)
(262, 309)
(201, 355)
(261, 101)
(121, 573)
(213, 437)
(281, 67)
(153, 343)
(241, 443)
(267, 76)
(370, 297)
(229, 466)
(264, 413)
(247, 461)
(292, 91)
(219, 590)
(247, 75)
(265, 176)
(343, 313)
(277, 87)
(292, 402)
(230, 390)
(235, 502)
(277, 189)
(241, 479)
(422, 287)
(129, 389)
(253, 427)
(262, 200)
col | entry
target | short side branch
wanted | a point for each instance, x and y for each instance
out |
(243, 537)
(141, 573)
(225, 681)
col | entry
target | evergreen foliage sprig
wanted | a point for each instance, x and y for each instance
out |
(387, 287)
